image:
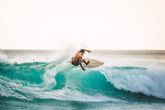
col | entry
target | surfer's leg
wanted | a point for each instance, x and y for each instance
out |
(82, 67)
(85, 62)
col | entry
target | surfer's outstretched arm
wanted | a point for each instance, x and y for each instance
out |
(85, 50)
(82, 67)
(88, 50)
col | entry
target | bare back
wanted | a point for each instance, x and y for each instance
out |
(77, 58)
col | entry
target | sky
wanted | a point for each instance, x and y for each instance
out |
(92, 24)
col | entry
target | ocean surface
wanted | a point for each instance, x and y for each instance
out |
(45, 80)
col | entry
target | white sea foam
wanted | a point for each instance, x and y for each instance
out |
(12, 89)
(49, 75)
(20, 56)
(149, 81)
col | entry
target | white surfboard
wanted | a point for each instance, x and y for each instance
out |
(92, 63)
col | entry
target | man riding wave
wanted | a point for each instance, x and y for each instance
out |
(78, 58)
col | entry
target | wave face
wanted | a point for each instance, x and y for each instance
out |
(52, 77)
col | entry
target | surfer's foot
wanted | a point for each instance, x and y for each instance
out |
(83, 69)
(87, 62)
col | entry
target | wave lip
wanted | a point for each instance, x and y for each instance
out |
(147, 81)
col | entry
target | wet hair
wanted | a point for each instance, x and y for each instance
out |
(82, 50)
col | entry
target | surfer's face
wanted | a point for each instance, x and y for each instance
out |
(82, 53)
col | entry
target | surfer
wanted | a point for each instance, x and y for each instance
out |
(78, 58)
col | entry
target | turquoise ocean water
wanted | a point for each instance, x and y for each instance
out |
(45, 80)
